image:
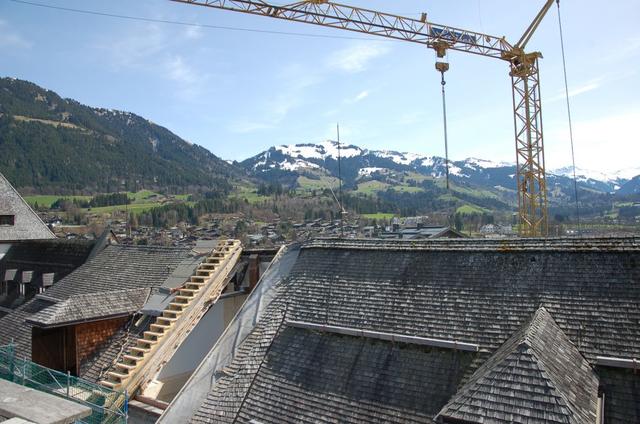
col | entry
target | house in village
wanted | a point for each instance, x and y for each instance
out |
(136, 318)
(32, 259)
(447, 331)
(30, 267)
(17, 220)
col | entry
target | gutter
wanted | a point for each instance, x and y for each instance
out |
(392, 337)
(607, 361)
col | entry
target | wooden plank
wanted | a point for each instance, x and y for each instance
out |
(164, 350)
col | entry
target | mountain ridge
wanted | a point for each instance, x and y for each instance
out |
(43, 134)
(298, 158)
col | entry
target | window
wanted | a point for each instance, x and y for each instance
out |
(7, 219)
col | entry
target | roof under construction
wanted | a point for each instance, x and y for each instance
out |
(437, 330)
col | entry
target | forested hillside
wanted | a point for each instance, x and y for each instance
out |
(51, 144)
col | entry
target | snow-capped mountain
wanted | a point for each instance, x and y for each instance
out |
(612, 180)
(358, 164)
(324, 156)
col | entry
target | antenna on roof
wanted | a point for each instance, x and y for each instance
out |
(340, 182)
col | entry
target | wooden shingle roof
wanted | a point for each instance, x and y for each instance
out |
(27, 224)
(480, 292)
(537, 376)
(91, 306)
(95, 284)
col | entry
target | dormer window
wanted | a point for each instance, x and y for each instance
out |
(7, 220)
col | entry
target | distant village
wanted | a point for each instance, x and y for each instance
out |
(275, 233)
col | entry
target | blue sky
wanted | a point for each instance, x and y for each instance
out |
(239, 92)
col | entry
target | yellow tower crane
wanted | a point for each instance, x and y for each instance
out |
(524, 71)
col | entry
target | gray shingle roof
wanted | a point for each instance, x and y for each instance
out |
(115, 268)
(471, 291)
(472, 296)
(307, 374)
(537, 376)
(121, 267)
(28, 225)
(622, 394)
(91, 306)
(48, 260)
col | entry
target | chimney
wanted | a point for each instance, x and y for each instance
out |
(254, 270)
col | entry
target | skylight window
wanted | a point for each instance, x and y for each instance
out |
(8, 220)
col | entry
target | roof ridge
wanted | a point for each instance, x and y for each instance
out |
(533, 330)
(150, 247)
(559, 394)
(530, 340)
(27, 204)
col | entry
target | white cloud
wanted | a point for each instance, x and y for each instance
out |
(584, 88)
(11, 39)
(293, 82)
(274, 111)
(608, 143)
(244, 126)
(358, 97)
(356, 57)
(179, 71)
(152, 47)
(135, 49)
(193, 33)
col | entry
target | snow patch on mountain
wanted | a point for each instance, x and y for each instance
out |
(583, 175)
(366, 172)
(476, 163)
(401, 158)
(294, 165)
(324, 150)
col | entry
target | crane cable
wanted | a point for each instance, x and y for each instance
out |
(566, 89)
(444, 117)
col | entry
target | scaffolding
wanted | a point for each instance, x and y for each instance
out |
(107, 406)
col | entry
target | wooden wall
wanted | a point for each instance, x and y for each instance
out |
(91, 335)
(63, 348)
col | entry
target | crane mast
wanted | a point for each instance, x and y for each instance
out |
(524, 72)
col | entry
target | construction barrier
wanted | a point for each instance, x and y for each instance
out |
(108, 406)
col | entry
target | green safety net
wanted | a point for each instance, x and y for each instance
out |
(108, 406)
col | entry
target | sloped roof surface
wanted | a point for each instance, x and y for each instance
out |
(47, 261)
(115, 268)
(84, 307)
(471, 291)
(59, 256)
(479, 296)
(120, 267)
(28, 225)
(622, 394)
(537, 376)
(307, 374)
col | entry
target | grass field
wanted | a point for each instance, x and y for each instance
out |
(378, 215)
(140, 201)
(135, 208)
(470, 209)
(407, 189)
(371, 187)
(250, 193)
(47, 200)
(306, 183)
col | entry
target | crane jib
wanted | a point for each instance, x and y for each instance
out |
(455, 36)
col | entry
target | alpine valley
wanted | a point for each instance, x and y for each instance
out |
(416, 181)
(57, 146)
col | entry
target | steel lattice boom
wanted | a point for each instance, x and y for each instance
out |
(532, 198)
